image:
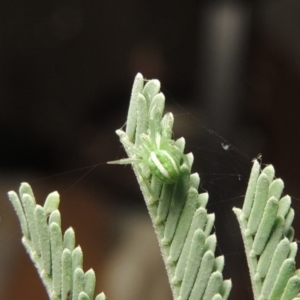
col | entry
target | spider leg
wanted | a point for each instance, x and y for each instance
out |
(154, 126)
(154, 198)
(123, 161)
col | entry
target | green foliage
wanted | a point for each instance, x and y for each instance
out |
(177, 210)
(179, 216)
(57, 261)
(265, 223)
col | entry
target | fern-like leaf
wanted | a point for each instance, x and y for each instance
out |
(57, 260)
(265, 223)
(178, 211)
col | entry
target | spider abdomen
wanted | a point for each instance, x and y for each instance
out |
(164, 166)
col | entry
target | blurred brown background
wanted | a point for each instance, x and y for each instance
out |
(229, 70)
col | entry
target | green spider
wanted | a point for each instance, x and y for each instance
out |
(157, 156)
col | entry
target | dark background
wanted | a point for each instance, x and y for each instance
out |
(230, 72)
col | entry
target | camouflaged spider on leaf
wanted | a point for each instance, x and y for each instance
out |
(156, 156)
(148, 137)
